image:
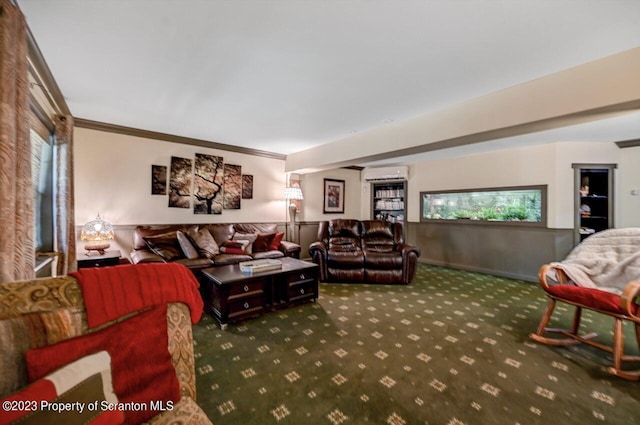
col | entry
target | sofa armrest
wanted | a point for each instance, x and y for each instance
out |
(407, 249)
(290, 249)
(139, 256)
(318, 252)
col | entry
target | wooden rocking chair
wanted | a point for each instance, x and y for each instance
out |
(620, 307)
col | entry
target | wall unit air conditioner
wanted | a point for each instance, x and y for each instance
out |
(386, 173)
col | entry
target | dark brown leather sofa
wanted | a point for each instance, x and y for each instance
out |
(167, 244)
(371, 251)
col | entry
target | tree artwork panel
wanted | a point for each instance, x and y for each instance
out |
(232, 187)
(208, 184)
(158, 180)
(180, 182)
(247, 186)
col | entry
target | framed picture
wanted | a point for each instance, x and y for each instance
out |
(333, 196)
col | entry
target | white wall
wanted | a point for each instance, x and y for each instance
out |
(113, 177)
(548, 164)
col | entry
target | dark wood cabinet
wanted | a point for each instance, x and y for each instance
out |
(109, 258)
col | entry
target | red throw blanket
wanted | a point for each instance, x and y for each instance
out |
(111, 292)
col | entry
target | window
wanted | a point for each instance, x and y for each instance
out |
(42, 178)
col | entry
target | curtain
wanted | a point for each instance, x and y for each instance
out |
(17, 251)
(64, 222)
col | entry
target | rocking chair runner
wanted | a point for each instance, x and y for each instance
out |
(620, 307)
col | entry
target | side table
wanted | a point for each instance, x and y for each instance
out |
(109, 258)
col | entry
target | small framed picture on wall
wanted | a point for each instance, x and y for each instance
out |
(333, 196)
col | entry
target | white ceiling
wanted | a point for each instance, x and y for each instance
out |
(287, 75)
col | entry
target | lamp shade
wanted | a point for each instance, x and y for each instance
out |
(293, 193)
(97, 230)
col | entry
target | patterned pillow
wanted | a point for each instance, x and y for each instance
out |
(86, 381)
(32, 330)
(237, 247)
(205, 242)
(140, 359)
(251, 237)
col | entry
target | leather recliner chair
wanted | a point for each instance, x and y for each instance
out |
(371, 251)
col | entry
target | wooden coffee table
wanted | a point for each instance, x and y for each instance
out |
(231, 295)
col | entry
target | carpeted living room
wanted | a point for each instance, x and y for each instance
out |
(319, 211)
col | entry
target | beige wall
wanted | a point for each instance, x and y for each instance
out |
(548, 164)
(113, 177)
(628, 213)
(313, 189)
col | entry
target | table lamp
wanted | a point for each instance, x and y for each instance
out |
(97, 232)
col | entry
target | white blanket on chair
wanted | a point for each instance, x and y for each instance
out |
(607, 260)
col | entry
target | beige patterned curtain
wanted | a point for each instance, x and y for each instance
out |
(65, 237)
(17, 251)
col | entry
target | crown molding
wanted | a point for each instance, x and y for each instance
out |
(147, 134)
(628, 143)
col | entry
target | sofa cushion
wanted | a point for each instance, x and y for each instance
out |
(189, 251)
(206, 243)
(255, 228)
(141, 363)
(28, 331)
(224, 259)
(383, 259)
(83, 381)
(346, 260)
(220, 232)
(153, 230)
(274, 253)
(165, 245)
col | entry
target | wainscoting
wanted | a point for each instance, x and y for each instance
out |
(508, 251)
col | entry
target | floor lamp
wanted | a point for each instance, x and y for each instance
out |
(292, 194)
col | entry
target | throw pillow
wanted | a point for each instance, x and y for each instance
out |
(187, 247)
(165, 245)
(263, 241)
(237, 247)
(205, 242)
(86, 383)
(251, 237)
(32, 330)
(275, 242)
(140, 360)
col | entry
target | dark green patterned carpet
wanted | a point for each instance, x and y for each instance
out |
(452, 348)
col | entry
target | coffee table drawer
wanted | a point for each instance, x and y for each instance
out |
(245, 307)
(300, 276)
(302, 289)
(246, 288)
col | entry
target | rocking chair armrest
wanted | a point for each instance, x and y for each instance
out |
(562, 277)
(628, 297)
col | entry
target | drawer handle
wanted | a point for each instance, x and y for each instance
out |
(302, 290)
(246, 288)
(301, 276)
(246, 305)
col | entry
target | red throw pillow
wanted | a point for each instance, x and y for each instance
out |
(140, 361)
(275, 242)
(85, 383)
